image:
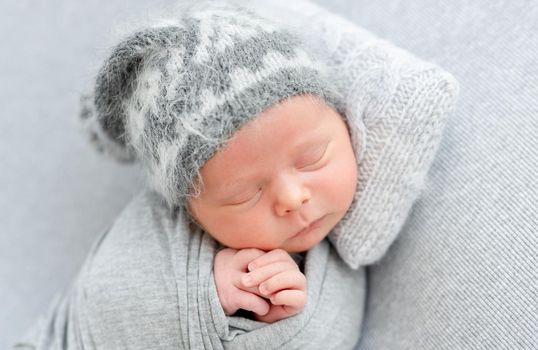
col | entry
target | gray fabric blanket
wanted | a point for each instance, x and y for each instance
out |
(148, 284)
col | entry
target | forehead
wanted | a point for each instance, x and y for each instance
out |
(300, 121)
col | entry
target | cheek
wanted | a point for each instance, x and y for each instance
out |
(339, 181)
(237, 230)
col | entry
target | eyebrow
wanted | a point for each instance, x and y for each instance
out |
(301, 147)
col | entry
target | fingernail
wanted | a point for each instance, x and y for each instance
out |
(251, 266)
(247, 280)
(263, 289)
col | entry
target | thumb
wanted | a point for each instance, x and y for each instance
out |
(244, 256)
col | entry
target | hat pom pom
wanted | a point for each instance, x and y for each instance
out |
(92, 127)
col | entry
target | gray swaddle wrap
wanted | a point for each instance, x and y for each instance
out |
(148, 284)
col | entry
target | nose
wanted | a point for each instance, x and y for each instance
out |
(290, 195)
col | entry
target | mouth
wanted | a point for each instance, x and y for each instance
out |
(313, 225)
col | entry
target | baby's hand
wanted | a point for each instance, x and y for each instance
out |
(279, 279)
(229, 268)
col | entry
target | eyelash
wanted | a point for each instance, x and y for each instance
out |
(246, 200)
(317, 160)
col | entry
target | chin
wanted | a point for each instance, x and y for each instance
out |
(299, 248)
(304, 244)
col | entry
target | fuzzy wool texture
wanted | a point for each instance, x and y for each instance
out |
(171, 95)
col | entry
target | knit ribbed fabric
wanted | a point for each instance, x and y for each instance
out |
(171, 96)
(395, 105)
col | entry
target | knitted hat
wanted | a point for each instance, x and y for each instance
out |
(171, 96)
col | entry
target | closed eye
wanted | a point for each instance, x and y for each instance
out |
(314, 159)
(246, 200)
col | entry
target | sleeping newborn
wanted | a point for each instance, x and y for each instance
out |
(280, 184)
(253, 159)
(240, 126)
(235, 121)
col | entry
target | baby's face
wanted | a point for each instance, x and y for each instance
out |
(290, 167)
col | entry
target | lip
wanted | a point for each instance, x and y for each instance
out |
(314, 224)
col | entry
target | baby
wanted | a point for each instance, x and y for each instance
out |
(235, 122)
(280, 185)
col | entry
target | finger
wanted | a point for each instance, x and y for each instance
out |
(252, 302)
(244, 256)
(270, 257)
(253, 289)
(276, 313)
(290, 279)
(255, 277)
(292, 299)
(225, 254)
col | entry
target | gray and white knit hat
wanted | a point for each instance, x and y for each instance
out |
(171, 96)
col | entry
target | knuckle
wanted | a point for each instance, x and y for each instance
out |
(280, 251)
(282, 266)
(250, 305)
(293, 275)
(247, 254)
(293, 265)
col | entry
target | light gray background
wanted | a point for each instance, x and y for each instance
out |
(461, 275)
